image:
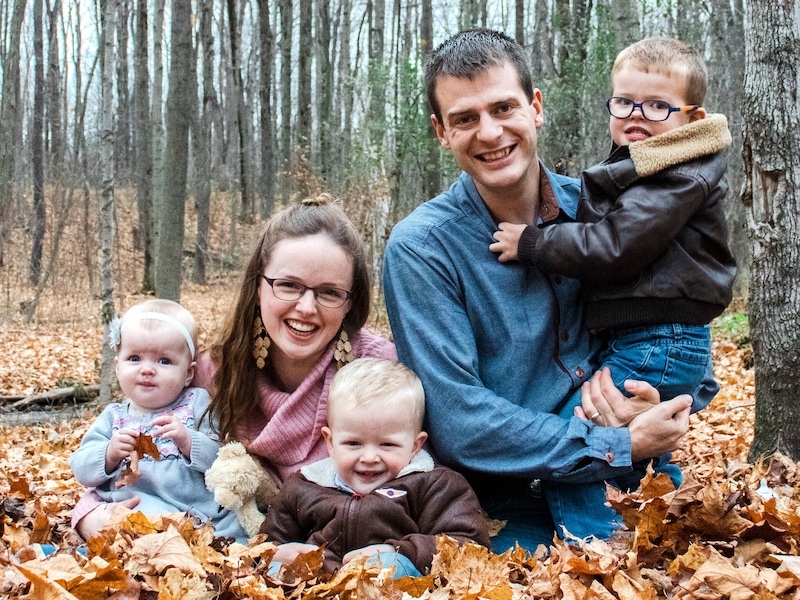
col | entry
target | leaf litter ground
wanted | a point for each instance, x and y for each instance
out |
(718, 536)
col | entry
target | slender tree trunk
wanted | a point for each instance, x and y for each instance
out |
(324, 91)
(201, 133)
(432, 179)
(54, 130)
(9, 117)
(377, 75)
(772, 166)
(157, 116)
(519, 22)
(179, 111)
(266, 117)
(37, 150)
(345, 93)
(286, 10)
(122, 152)
(625, 19)
(247, 213)
(305, 49)
(107, 200)
(144, 143)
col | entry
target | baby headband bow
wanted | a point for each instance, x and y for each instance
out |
(115, 327)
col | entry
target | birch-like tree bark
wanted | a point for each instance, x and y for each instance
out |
(266, 116)
(107, 233)
(771, 150)
(144, 143)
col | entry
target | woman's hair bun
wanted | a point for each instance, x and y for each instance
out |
(319, 200)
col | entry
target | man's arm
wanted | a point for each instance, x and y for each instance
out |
(472, 427)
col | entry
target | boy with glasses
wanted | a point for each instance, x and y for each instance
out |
(649, 244)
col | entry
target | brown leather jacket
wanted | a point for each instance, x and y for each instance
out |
(407, 513)
(650, 246)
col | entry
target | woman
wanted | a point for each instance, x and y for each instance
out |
(299, 316)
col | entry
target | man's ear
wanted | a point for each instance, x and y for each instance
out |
(440, 133)
(697, 114)
(536, 103)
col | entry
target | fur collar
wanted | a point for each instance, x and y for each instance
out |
(323, 472)
(690, 141)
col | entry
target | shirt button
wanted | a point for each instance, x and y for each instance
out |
(610, 457)
(580, 372)
(565, 335)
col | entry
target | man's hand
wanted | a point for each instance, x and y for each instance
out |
(660, 429)
(507, 243)
(603, 404)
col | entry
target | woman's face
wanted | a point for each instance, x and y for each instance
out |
(302, 329)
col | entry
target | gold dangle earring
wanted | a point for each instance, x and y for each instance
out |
(344, 351)
(261, 342)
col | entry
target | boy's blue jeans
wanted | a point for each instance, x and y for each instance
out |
(676, 359)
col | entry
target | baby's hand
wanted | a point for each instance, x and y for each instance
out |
(507, 243)
(172, 428)
(120, 446)
(366, 551)
(286, 553)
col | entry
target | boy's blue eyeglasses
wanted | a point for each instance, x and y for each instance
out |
(652, 110)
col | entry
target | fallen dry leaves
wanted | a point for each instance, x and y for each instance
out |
(716, 537)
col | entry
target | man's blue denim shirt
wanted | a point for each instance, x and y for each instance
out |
(499, 347)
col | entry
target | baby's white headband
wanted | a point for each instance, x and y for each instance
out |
(115, 327)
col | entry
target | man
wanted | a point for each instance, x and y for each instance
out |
(500, 348)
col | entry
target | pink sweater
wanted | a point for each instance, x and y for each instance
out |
(287, 432)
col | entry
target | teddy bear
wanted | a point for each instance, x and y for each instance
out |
(241, 484)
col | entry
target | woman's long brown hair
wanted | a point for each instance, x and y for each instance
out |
(236, 394)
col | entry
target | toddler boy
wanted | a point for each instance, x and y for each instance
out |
(379, 493)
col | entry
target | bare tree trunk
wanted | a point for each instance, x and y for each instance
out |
(324, 93)
(542, 50)
(144, 144)
(305, 49)
(157, 116)
(179, 107)
(772, 166)
(53, 131)
(345, 91)
(519, 22)
(377, 74)
(9, 117)
(37, 150)
(286, 10)
(433, 177)
(201, 133)
(122, 153)
(625, 18)
(266, 117)
(247, 213)
(107, 200)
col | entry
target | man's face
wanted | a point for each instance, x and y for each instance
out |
(490, 126)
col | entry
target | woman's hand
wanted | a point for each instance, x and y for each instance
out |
(366, 551)
(172, 428)
(286, 553)
(120, 446)
(603, 404)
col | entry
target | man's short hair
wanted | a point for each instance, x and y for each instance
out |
(470, 53)
(368, 380)
(670, 56)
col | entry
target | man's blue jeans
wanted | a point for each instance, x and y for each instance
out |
(675, 359)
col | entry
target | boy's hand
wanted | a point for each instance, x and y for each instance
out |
(507, 243)
(120, 446)
(366, 551)
(286, 553)
(172, 428)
